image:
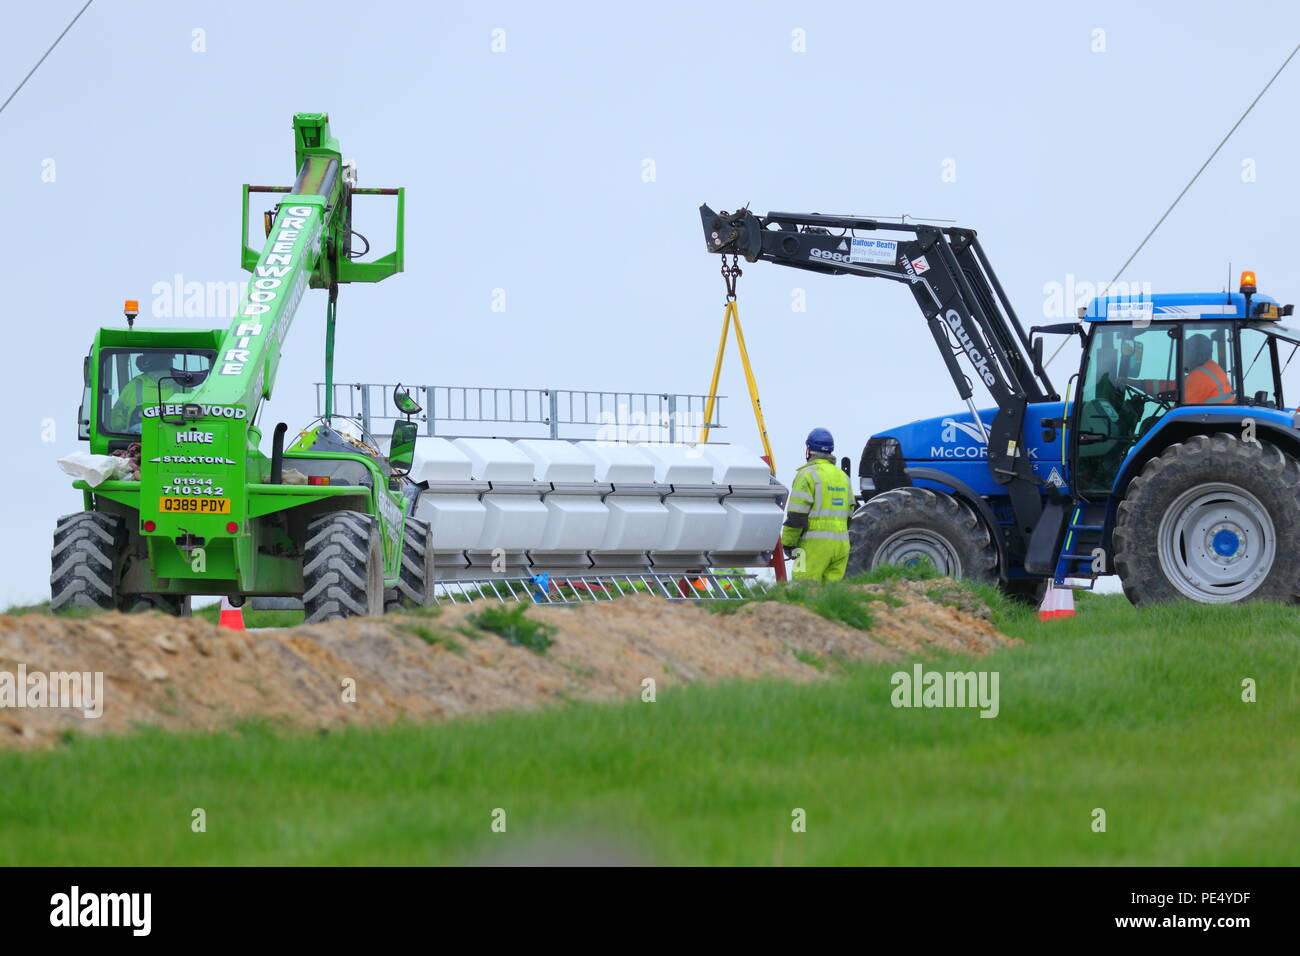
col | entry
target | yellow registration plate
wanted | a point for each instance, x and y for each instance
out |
(169, 504)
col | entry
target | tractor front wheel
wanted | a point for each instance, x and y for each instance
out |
(1213, 519)
(908, 526)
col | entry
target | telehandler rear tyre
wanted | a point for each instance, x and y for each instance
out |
(907, 526)
(1213, 519)
(343, 567)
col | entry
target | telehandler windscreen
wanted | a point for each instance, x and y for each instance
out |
(132, 379)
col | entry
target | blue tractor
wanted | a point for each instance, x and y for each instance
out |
(1176, 464)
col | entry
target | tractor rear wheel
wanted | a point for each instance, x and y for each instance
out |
(85, 561)
(906, 526)
(343, 567)
(1214, 519)
(415, 586)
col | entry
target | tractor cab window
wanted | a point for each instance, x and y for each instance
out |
(1259, 379)
(131, 380)
(1209, 364)
(1288, 366)
(1132, 380)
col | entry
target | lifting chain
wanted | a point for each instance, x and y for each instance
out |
(730, 273)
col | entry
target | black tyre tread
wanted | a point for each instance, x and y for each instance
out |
(413, 587)
(177, 605)
(1221, 457)
(337, 572)
(900, 508)
(84, 561)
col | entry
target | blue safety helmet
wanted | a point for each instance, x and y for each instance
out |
(819, 439)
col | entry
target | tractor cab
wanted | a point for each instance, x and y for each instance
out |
(1187, 355)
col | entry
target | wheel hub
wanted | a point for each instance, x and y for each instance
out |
(1226, 540)
(912, 546)
(1216, 543)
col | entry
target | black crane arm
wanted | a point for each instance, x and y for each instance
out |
(959, 294)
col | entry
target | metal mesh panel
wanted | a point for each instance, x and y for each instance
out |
(594, 588)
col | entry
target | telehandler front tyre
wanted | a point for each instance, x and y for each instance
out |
(343, 567)
(908, 526)
(415, 586)
(85, 562)
(1213, 519)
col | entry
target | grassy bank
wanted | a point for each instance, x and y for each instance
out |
(1138, 713)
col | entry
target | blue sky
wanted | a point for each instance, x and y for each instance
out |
(525, 172)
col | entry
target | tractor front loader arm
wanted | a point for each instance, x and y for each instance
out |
(953, 283)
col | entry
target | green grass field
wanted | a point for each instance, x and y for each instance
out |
(1135, 712)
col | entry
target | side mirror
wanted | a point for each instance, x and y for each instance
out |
(401, 447)
(404, 402)
(83, 411)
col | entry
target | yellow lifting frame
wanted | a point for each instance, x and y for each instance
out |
(730, 316)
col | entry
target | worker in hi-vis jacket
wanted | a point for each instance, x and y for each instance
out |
(816, 531)
(154, 382)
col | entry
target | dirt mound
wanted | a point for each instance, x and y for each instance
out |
(188, 674)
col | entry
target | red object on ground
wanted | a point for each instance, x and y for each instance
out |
(1057, 602)
(778, 555)
(230, 617)
(583, 586)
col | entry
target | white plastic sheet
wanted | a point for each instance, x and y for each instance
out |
(95, 469)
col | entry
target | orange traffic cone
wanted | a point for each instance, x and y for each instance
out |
(230, 616)
(1057, 602)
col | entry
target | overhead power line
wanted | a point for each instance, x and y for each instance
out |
(47, 53)
(1205, 164)
(1192, 181)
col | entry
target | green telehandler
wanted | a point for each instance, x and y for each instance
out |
(207, 513)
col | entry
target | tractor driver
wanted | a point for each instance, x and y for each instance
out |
(154, 371)
(1206, 383)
